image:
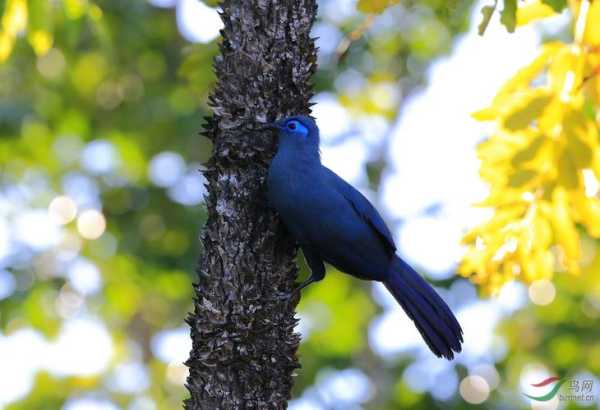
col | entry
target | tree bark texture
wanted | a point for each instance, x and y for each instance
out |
(244, 345)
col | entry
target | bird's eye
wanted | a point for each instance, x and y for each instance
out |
(292, 125)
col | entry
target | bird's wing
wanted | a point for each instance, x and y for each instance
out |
(363, 208)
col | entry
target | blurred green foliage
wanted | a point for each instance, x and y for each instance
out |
(117, 72)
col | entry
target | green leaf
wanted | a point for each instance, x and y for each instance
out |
(508, 16)
(557, 5)
(375, 6)
(487, 12)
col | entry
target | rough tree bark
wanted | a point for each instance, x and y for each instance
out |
(244, 345)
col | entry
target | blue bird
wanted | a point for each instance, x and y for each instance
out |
(332, 222)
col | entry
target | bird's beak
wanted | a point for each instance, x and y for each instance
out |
(270, 126)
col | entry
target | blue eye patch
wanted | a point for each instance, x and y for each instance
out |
(296, 127)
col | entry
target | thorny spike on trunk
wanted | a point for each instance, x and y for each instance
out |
(244, 345)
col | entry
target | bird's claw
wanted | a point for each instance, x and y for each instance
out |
(288, 296)
(283, 296)
(296, 292)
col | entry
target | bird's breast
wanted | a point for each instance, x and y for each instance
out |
(284, 186)
(292, 190)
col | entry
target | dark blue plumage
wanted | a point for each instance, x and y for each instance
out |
(334, 223)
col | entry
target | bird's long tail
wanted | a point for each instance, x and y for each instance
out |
(425, 307)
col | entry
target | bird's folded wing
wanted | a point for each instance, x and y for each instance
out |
(363, 207)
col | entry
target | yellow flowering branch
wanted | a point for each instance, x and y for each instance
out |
(542, 164)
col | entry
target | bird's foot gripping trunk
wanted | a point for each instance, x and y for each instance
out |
(425, 307)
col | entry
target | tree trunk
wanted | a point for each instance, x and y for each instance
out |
(244, 345)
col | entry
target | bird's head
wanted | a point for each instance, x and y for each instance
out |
(298, 130)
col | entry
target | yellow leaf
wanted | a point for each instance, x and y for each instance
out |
(471, 262)
(528, 108)
(561, 74)
(41, 41)
(487, 114)
(6, 45)
(544, 264)
(572, 266)
(528, 267)
(564, 227)
(501, 199)
(521, 177)
(592, 85)
(40, 25)
(501, 217)
(592, 29)
(576, 133)
(532, 11)
(523, 77)
(530, 152)
(596, 163)
(568, 176)
(14, 19)
(588, 212)
(551, 122)
(579, 151)
(519, 82)
(497, 149)
(542, 231)
(75, 9)
(510, 268)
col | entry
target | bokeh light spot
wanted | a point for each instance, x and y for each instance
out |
(62, 209)
(69, 247)
(474, 389)
(4, 237)
(163, 3)
(89, 404)
(489, 373)
(109, 95)
(68, 303)
(84, 277)
(189, 190)
(142, 403)
(197, 22)
(129, 377)
(99, 157)
(34, 228)
(84, 347)
(52, 64)
(91, 224)
(8, 284)
(172, 346)
(166, 168)
(542, 292)
(177, 373)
